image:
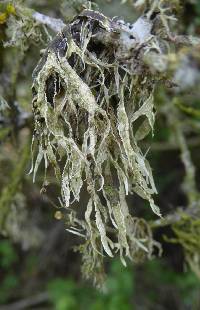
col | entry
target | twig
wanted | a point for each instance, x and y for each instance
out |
(54, 24)
(170, 146)
(189, 183)
(175, 217)
(27, 302)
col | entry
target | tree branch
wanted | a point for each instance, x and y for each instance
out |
(54, 24)
(27, 302)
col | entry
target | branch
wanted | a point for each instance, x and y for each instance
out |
(27, 302)
(54, 24)
(10, 189)
(169, 146)
(175, 217)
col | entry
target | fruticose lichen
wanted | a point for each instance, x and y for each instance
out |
(93, 102)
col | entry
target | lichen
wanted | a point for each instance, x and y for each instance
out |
(21, 30)
(187, 232)
(93, 101)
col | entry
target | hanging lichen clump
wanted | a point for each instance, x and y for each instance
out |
(93, 104)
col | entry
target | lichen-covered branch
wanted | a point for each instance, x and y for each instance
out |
(89, 90)
(93, 105)
(54, 24)
(9, 191)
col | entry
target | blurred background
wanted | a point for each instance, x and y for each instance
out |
(38, 267)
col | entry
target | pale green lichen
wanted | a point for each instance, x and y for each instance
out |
(93, 103)
(187, 231)
(22, 30)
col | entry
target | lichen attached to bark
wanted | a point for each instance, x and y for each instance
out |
(93, 101)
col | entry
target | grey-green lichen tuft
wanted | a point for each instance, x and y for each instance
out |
(93, 102)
